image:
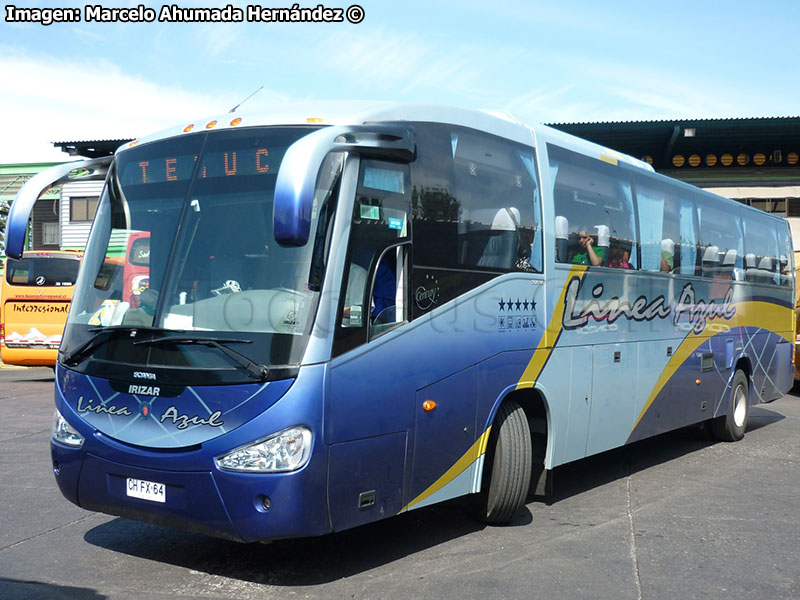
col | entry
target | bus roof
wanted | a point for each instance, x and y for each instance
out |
(76, 254)
(499, 123)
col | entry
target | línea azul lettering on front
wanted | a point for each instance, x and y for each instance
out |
(642, 309)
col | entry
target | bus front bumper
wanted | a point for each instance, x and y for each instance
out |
(236, 506)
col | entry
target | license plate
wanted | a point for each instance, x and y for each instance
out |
(147, 490)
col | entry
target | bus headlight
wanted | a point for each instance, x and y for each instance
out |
(64, 433)
(287, 450)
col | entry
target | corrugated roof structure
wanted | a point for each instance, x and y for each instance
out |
(13, 177)
(705, 149)
(91, 148)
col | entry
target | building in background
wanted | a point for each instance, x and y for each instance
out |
(79, 200)
(44, 217)
(61, 218)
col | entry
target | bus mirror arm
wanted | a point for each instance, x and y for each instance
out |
(17, 226)
(297, 176)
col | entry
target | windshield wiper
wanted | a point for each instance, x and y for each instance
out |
(260, 372)
(104, 334)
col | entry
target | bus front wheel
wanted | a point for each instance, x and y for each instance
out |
(731, 426)
(507, 466)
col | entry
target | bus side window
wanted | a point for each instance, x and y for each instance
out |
(787, 261)
(721, 238)
(476, 205)
(594, 204)
(498, 194)
(666, 225)
(762, 253)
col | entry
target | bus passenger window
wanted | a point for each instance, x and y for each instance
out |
(762, 262)
(721, 236)
(595, 221)
(476, 205)
(496, 188)
(787, 270)
(666, 226)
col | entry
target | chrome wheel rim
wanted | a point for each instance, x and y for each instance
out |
(739, 406)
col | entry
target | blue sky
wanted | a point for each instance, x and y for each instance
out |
(565, 61)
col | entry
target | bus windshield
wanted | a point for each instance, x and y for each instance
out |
(183, 242)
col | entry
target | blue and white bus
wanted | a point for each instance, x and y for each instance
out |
(350, 317)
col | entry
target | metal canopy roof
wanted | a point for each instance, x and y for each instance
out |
(773, 137)
(91, 148)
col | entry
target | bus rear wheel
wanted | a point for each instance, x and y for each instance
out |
(731, 426)
(507, 467)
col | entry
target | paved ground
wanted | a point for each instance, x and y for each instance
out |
(676, 517)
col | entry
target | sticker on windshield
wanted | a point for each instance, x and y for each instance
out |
(373, 213)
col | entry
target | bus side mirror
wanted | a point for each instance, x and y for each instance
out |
(17, 226)
(297, 175)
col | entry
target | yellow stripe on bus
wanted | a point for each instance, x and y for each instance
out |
(477, 450)
(548, 341)
(527, 380)
(761, 315)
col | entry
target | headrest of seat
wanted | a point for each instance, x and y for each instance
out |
(711, 255)
(562, 228)
(730, 258)
(603, 235)
(504, 219)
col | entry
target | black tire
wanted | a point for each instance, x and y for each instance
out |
(731, 426)
(506, 467)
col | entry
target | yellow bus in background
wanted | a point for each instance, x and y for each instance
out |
(796, 320)
(35, 294)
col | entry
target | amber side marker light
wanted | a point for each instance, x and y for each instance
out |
(211, 124)
(188, 128)
(697, 382)
(428, 405)
(236, 121)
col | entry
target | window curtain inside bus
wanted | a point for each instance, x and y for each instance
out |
(651, 225)
(688, 239)
(627, 192)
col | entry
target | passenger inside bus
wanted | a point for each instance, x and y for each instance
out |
(591, 252)
(667, 255)
(619, 256)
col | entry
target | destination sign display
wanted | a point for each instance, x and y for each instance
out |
(218, 163)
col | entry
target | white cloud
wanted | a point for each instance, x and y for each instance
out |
(601, 90)
(46, 100)
(410, 64)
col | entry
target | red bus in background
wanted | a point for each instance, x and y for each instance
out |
(136, 271)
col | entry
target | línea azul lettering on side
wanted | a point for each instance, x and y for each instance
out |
(642, 309)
